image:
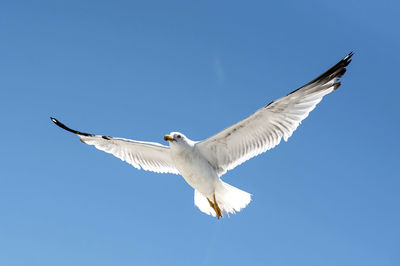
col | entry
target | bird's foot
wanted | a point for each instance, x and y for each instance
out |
(215, 206)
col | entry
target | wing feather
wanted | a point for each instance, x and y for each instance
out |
(148, 156)
(264, 129)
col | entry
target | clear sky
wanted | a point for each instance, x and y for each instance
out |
(140, 69)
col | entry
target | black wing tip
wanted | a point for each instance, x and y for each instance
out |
(58, 123)
(346, 61)
(350, 54)
(54, 120)
(336, 71)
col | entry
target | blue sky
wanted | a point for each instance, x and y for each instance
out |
(329, 196)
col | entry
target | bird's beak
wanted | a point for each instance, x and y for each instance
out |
(168, 138)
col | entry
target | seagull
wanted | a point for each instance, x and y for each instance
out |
(202, 163)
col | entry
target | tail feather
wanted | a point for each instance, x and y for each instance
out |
(229, 199)
(201, 202)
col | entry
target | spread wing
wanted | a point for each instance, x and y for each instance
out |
(147, 155)
(264, 129)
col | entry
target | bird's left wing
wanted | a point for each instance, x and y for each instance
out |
(264, 129)
(149, 156)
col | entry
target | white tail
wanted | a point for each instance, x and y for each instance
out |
(229, 199)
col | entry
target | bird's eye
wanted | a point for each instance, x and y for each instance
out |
(179, 136)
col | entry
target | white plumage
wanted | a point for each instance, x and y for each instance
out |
(203, 163)
(147, 155)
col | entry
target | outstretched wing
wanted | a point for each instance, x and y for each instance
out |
(264, 129)
(147, 155)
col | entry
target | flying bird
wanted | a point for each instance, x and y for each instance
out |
(202, 163)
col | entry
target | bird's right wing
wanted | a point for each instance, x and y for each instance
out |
(147, 155)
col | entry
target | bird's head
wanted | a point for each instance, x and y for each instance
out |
(176, 138)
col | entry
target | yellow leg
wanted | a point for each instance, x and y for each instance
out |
(215, 206)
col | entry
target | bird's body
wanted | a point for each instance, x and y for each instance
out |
(202, 163)
(193, 167)
(200, 174)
